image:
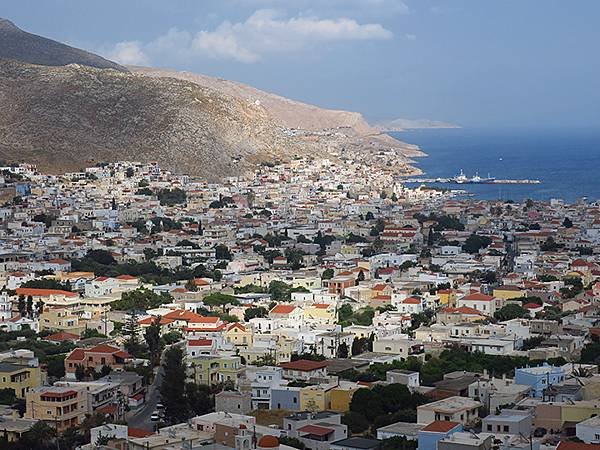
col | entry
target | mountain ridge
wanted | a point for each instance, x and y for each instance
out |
(26, 47)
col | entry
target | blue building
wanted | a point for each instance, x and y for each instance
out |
(284, 397)
(539, 378)
(436, 431)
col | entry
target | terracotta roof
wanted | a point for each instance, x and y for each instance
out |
(563, 445)
(150, 321)
(321, 305)
(236, 325)
(268, 441)
(531, 306)
(35, 292)
(103, 348)
(461, 310)
(138, 432)
(304, 365)
(478, 297)
(126, 277)
(440, 426)
(58, 261)
(380, 287)
(316, 430)
(62, 336)
(282, 309)
(76, 355)
(199, 342)
(412, 301)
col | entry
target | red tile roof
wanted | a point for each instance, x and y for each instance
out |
(138, 432)
(283, 309)
(76, 355)
(126, 277)
(35, 292)
(440, 426)
(304, 365)
(412, 301)
(531, 306)
(577, 446)
(103, 348)
(316, 430)
(62, 336)
(199, 342)
(461, 310)
(478, 297)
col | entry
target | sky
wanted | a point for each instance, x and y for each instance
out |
(469, 62)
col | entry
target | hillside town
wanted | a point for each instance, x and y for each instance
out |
(312, 304)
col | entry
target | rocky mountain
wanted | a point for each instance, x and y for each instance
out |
(285, 112)
(22, 46)
(64, 118)
(64, 109)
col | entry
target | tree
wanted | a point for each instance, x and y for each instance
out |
(342, 351)
(129, 172)
(251, 313)
(29, 306)
(292, 442)
(22, 305)
(152, 336)
(369, 216)
(510, 311)
(101, 257)
(474, 243)
(327, 274)
(199, 398)
(105, 370)
(171, 197)
(567, 223)
(172, 393)
(222, 252)
(79, 372)
(131, 332)
(356, 422)
(360, 277)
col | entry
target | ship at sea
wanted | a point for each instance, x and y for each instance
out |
(463, 179)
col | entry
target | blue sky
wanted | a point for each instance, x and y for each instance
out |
(471, 62)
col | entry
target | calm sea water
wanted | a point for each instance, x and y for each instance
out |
(567, 161)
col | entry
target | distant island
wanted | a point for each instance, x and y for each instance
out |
(412, 124)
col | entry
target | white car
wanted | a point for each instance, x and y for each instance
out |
(160, 406)
(155, 417)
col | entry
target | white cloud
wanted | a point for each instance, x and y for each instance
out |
(128, 52)
(265, 32)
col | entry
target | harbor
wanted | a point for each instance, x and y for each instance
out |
(463, 179)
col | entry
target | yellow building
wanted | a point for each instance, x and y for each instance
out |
(447, 297)
(320, 313)
(508, 292)
(61, 319)
(238, 335)
(212, 370)
(579, 411)
(341, 396)
(59, 407)
(315, 398)
(19, 377)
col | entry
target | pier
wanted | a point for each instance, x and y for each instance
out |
(454, 181)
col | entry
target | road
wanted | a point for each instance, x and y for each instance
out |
(141, 417)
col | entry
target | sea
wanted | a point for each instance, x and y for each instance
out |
(566, 161)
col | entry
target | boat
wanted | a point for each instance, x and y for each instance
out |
(463, 179)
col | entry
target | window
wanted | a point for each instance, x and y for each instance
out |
(506, 428)
(489, 427)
